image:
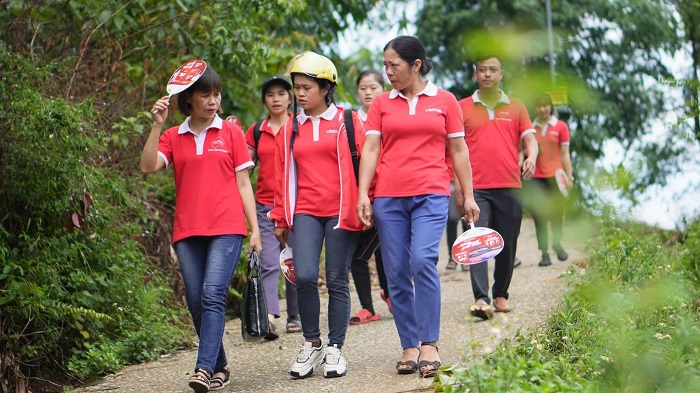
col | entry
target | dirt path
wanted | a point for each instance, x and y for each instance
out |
(371, 349)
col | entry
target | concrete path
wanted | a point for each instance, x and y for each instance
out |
(373, 348)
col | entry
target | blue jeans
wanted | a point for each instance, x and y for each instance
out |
(310, 232)
(270, 266)
(410, 230)
(207, 263)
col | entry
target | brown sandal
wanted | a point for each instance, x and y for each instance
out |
(200, 381)
(220, 382)
(407, 366)
(429, 369)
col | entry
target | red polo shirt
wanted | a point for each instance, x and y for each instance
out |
(493, 136)
(207, 201)
(316, 157)
(265, 192)
(413, 141)
(551, 136)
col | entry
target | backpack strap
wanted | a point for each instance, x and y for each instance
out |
(350, 128)
(257, 133)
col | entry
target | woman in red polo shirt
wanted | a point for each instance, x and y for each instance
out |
(315, 195)
(545, 200)
(412, 127)
(214, 198)
(277, 97)
(370, 84)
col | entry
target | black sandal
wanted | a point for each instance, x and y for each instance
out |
(412, 365)
(218, 380)
(429, 369)
(200, 381)
(451, 265)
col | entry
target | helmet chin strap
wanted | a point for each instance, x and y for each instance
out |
(295, 124)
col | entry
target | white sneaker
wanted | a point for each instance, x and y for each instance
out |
(334, 363)
(308, 358)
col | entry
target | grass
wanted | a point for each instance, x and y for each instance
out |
(628, 324)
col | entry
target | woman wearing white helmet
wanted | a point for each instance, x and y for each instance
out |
(316, 193)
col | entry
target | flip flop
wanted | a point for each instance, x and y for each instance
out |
(364, 316)
(483, 311)
(451, 265)
(517, 262)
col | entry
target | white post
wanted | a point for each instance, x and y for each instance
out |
(551, 42)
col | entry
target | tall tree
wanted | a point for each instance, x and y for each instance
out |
(609, 54)
(690, 15)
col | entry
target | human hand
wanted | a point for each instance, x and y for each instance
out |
(470, 211)
(254, 243)
(282, 234)
(365, 211)
(528, 168)
(160, 110)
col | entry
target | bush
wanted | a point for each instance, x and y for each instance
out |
(77, 292)
(630, 324)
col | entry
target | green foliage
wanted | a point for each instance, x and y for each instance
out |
(68, 290)
(629, 325)
(605, 54)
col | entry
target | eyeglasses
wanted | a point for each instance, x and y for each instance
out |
(493, 70)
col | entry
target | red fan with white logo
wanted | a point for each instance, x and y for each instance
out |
(185, 76)
(477, 245)
(235, 120)
(287, 265)
(562, 181)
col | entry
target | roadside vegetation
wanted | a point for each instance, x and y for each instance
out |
(629, 323)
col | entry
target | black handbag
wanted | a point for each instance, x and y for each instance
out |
(367, 245)
(254, 322)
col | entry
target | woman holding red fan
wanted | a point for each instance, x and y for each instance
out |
(214, 198)
(545, 201)
(411, 127)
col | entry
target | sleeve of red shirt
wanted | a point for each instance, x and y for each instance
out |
(564, 136)
(276, 215)
(241, 157)
(165, 146)
(454, 120)
(250, 137)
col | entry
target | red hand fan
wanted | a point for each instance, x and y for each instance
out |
(287, 265)
(185, 76)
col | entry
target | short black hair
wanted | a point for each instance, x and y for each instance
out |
(410, 49)
(208, 82)
(376, 74)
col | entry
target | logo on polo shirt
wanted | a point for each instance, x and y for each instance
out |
(218, 144)
(503, 115)
(438, 110)
(331, 131)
